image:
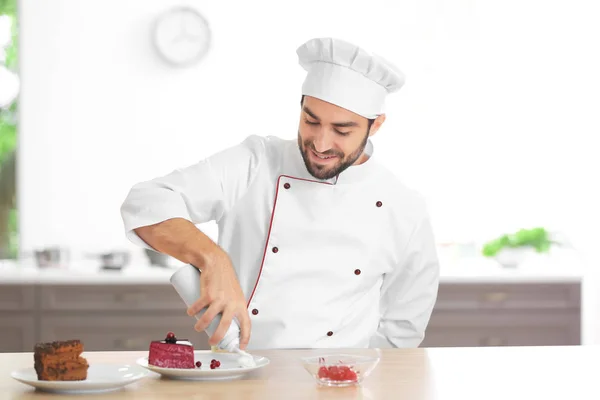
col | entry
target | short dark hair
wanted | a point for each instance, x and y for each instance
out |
(371, 120)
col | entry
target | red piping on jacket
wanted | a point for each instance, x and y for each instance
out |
(271, 225)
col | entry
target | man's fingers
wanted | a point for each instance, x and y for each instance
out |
(212, 311)
(245, 327)
(198, 306)
(225, 323)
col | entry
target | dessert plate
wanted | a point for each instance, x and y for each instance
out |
(100, 378)
(230, 367)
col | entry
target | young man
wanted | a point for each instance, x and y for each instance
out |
(319, 245)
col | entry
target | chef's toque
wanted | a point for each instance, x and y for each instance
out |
(348, 76)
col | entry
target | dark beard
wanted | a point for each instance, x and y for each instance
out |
(321, 172)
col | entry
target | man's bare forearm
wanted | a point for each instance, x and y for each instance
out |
(182, 240)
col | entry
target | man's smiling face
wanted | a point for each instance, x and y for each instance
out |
(332, 138)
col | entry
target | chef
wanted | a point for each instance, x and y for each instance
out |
(320, 246)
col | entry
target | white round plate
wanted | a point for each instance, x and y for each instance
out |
(229, 369)
(100, 378)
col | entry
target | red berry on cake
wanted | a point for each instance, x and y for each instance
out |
(171, 338)
(198, 364)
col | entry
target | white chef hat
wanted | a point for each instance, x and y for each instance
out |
(348, 76)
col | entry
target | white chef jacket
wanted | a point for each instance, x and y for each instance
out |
(349, 262)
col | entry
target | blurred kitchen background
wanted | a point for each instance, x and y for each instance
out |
(497, 126)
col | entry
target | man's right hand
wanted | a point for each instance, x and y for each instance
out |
(219, 286)
(221, 293)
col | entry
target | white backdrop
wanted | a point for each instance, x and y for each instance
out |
(497, 124)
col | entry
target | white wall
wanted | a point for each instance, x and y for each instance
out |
(497, 124)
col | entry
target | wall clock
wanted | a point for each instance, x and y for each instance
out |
(182, 36)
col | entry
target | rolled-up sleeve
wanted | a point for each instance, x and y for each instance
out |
(409, 292)
(199, 193)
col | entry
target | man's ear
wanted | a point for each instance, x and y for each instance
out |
(377, 124)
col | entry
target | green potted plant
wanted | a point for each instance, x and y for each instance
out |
(8, 145)
(510, 249)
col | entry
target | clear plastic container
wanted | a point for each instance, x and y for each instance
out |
(186, 281)
(339, 369)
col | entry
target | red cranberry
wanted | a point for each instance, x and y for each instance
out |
(198, 364)
(213, 366)
(171, 338)
(218, 363)
(323, 372)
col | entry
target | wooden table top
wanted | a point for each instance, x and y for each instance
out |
(506, 373)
